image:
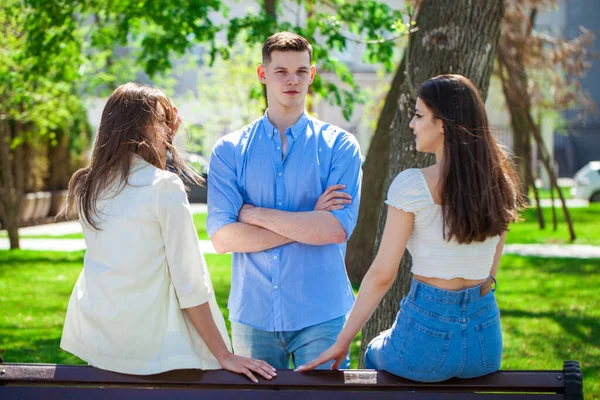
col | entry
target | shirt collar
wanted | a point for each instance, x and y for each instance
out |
(299, 128)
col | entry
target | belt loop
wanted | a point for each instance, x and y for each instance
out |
(413, 289)
(495, 284)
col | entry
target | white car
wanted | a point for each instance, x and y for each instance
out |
(587, 182)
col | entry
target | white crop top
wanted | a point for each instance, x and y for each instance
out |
(432, 255)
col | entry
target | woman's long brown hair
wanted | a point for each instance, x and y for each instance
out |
(478, 185)
(128, 118)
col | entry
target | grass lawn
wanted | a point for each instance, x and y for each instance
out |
(545, 193)
(200, 222)
(586, 223)
(551, 312)
(550, 309)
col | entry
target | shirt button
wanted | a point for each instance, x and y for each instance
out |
(276, 287)
(280, 174)
(280, 203)
(274, 257)
(278, 148)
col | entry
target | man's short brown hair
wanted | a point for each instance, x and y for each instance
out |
(285, 41)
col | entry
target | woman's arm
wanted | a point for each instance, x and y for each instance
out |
(499, 248)
(204, 323)
(376, 283)
(189, 275)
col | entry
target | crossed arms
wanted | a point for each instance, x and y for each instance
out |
(234, 226)
(261, 228)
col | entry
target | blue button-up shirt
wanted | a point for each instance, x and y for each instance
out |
(296, 285)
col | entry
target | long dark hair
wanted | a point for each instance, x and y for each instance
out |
(478, 185)
(128, 116)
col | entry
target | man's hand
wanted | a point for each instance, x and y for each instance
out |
(332, 199)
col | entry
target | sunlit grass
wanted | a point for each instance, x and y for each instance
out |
(586, 223)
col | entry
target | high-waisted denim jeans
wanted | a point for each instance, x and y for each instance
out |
(440, 334)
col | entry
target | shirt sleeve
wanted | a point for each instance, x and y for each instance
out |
(224, 197)
(346, 170)
(185, 260)
(407, 191)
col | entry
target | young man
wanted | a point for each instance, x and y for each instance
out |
(283, 196)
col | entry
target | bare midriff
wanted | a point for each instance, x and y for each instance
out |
(450, 284)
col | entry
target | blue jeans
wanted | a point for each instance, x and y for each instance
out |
(277, 348)
(440, 334)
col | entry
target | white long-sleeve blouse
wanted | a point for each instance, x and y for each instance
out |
(140, 270)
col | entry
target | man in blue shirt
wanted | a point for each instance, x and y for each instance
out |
(283, 196)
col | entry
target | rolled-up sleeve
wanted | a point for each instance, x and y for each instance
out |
(346, 170)
(224, 197)
(185, 260)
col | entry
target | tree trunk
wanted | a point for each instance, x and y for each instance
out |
(459, 39)
(515, 86)
(11, 181)
(554, 220)
(361, 250)
(271, 10)
(547, 162)
(514, 80)
(59, 163)
(538, 206)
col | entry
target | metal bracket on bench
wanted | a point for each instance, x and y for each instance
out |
(573, 380)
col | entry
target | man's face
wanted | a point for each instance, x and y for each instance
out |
(287, 77)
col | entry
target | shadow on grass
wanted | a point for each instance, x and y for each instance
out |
(20, 260)
(45, 351)
(574, 325)
(579, 336)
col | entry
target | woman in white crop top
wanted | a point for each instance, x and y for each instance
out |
(144, 302)
(452, 217)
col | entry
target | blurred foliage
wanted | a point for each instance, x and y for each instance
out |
(109, 38)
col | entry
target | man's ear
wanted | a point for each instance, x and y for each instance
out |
(262, 73)
(313, 72)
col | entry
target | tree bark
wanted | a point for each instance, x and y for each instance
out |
(15, 168)
(59, 162)
(361, 250)
(460, 39)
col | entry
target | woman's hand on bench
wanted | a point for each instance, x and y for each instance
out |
(245, 365)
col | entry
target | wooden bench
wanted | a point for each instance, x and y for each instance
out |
(48, 381)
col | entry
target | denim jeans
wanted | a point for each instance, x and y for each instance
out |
(440, 334)
(276, 348)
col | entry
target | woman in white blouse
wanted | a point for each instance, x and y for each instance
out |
(452, 217)
(144, 301)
